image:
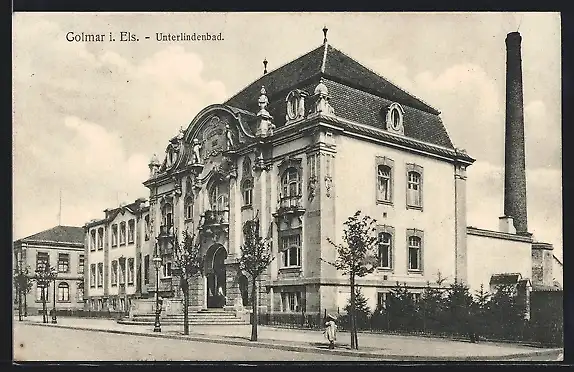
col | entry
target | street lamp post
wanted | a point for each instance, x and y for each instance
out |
(157, 263)
(54, 275)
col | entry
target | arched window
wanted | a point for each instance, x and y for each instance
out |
(63, 292)
(384, 183)
(290, 184)
(167, 215)
(219, 197)
(415, 248)
(385, 250)
(188, 208)
(247, 190)
(414, 195)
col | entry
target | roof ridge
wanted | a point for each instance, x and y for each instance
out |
(269, 73)
(388, 80)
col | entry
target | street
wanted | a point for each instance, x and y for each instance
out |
(33, 343)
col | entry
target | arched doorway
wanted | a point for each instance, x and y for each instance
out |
(216, 281)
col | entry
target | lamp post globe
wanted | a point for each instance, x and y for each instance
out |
(157, 262)
(54, 275)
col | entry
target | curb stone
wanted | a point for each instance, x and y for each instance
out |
(301, 348)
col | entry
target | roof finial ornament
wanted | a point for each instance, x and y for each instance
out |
(325, 29)
(265, 66)
(263, 100)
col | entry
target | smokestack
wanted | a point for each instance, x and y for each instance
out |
(514, 159)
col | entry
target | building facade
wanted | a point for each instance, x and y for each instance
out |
(303, 148)
(63, 248)
(117, 251)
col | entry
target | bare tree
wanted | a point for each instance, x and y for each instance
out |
(255, 258)
(356, 258)
(189, 264)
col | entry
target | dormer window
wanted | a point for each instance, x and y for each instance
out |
(295, 105)
(394, 118)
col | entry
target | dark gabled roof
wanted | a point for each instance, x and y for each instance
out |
(356, 92)
(340, 66)
(58, 234)
(366, 108)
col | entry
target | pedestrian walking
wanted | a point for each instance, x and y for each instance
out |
(331, 330)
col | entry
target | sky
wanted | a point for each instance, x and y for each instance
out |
(87, 116)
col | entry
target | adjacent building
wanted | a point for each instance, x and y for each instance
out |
(63, 248)
(117, 265)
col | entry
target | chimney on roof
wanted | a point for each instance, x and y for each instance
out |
(325, 29)
(514, 159)
(265, 66)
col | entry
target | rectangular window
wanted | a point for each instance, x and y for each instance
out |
(114, 235)
(131, 230)
(122, 233)
(167, 270)
(291, 250)
(146, 269)
(63, 292)
(114, 273)
(63, 263)
(130, 271)
(385, 250)
(93, 240)
(100, 238)
(80, 264)
(384, 183)
(291, 301)
(80, 291)
(39, 290)
(122, 272)
(92, 275)
(100, 275)
(414, 186)
(42, 261)
(382, 300)
(415, 247)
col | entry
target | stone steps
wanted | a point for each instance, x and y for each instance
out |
(202, 317)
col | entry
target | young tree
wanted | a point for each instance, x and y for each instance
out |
(356, 258)
(45, 274)
(255, 258)
(22, 284)
(431, 308)
(481, 309)
(459, 306)
(401, 308)
(189, 264)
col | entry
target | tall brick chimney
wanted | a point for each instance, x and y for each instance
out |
(514, 159)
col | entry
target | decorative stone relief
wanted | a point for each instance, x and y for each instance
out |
(328, 185)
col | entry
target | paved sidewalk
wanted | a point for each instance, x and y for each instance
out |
(380, 346)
